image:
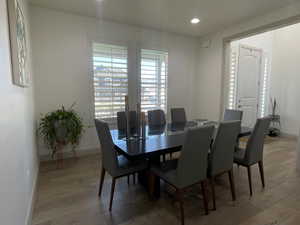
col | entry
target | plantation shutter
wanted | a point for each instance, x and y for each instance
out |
(110, 79)
(154, 72)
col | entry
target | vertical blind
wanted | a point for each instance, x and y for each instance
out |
(110, 79)
(154, 72)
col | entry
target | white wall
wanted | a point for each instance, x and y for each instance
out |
(285, 79)
(209, 76)
(18, 158)
(62, 53)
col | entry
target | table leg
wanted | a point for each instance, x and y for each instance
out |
(154, 185)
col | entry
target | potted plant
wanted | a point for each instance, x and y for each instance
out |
(60, 128)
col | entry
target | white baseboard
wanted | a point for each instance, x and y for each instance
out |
(33, 197)
(79, 153)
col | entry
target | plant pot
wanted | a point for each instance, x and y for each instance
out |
(274, 132)
(61, 131)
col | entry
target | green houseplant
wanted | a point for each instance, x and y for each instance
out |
(60, 128)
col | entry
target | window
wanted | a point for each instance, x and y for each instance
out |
(264, 88)
(110, 79)
(154, 73)
(232, 80)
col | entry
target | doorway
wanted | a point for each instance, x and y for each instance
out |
(248, 85)
(249, 78)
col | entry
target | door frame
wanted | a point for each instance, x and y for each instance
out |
(226, 53)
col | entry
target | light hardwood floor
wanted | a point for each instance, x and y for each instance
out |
(69, 196)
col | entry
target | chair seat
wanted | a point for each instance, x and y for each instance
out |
(167, 172)
(127, 166)
(239, 156)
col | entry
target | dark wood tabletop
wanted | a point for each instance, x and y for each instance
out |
(158, 140)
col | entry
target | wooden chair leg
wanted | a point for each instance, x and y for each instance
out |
(262, 175)
(212, 184)
(232, 186)
(180, 199)
(250, 179)
(204, 196)
(112, 192)
(101, 181)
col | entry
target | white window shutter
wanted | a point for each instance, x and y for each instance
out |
(154, 74)
(110, 79)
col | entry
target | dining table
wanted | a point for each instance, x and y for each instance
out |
(158, 141)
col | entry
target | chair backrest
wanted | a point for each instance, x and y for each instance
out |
(231, 114)
(255, 145)
(156, 117)
(221, 156)
(192, 164)
(122, 120)
(109, 155)
(178, 115)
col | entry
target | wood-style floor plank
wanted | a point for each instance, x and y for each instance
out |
(69, 196)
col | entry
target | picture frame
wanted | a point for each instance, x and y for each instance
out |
(18, 44)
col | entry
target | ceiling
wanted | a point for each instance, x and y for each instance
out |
(169, 15)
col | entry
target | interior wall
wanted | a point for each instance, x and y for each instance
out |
(62, 54)
(285, 77)
(18, 158)
(210, 79)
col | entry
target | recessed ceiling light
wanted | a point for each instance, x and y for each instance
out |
(195, 20)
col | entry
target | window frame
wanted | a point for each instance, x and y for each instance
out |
(164, 53)
(133, 74)
(112, 119)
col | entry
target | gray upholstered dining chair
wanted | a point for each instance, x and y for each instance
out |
(190, 168)
(156, 117)
(221, 155)
(253, 153)
(116, 166)
(231, 114)
(178, 115)
(122, 120)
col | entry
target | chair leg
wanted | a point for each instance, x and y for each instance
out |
(112, 192)
(128, 179)
(180, 199)
(232, 186)
(204, 196)
(101, 181)
(261, 170)
(212, 184)
(250, 179)
(133, 178)
(151, 183)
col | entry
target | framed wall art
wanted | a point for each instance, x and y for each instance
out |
(18, 44)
